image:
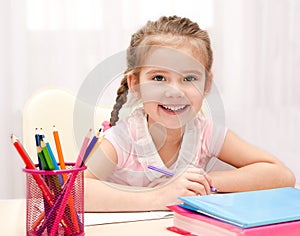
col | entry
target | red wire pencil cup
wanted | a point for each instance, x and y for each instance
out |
(54, 208)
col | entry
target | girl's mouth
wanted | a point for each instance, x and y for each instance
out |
(173, 108)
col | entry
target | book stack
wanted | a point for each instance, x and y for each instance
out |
(274, 212)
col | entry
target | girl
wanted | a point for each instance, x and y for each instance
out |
(161, 124)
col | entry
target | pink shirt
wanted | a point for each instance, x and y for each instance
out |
(136, 150)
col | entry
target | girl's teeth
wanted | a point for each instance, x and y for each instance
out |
(174, 108)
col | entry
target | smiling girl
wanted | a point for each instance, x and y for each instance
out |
(158, 120)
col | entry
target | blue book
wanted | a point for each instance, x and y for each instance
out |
(248, 209)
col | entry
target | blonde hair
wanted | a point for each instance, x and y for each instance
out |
(181, 30)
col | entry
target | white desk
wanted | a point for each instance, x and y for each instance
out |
(13, 223)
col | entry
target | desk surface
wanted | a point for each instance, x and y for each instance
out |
(13, 219)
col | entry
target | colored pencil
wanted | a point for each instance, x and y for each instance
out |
(40, 182)
(165, 172)
(83, 149)
(53, 181)
(59, 150)
(47, 155)
(90, 147)
(65, 177)
(22, 152)
(60, 205)
(168, 173)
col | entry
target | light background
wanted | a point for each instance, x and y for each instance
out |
(56, 43)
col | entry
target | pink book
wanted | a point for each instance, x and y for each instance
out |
(191, 223)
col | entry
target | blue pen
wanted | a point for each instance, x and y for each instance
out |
(168, 173)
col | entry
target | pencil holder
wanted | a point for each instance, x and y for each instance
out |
(55, 201)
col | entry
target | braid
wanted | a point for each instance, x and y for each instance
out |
(151, 34)
(120, 100)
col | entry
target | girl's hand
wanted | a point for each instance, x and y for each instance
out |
(192, 182)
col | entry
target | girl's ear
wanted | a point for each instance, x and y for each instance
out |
(133, 85)
(208, 83)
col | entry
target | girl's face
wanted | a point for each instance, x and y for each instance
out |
(171, 86)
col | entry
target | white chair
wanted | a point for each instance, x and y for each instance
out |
(55, 106)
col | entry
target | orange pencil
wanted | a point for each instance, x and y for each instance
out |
(65, 177)
(59, 150)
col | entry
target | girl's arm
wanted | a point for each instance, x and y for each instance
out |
(256, 169)
(103, 196)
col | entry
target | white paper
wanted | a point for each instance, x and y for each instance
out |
(118, 217)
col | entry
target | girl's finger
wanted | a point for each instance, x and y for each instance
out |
(198, 183)
(197, 188)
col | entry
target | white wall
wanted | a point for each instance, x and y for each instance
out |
(57, 43)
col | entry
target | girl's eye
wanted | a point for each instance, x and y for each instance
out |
(190, 78)
(159, 78)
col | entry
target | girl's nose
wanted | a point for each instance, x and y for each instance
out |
(173, 90)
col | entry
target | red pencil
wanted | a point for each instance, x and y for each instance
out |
(22, 152)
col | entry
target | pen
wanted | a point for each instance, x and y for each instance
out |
(168, 173)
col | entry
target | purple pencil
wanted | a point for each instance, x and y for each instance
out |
(90, 147)
(168, 173)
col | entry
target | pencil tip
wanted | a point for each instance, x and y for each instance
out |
(13, 137)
